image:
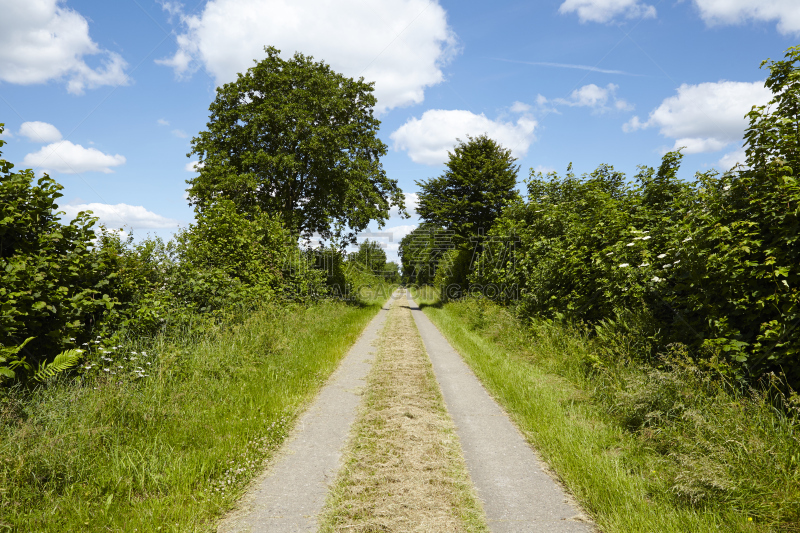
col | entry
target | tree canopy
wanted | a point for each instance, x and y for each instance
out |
(294, 138)
(479, 180)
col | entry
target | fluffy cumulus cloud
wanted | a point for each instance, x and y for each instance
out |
(119, 215)
(729, 160)
(40, 132)
(412, 200)
(706, 117)
(607, 10)
(429, 138)
(785, 12)
(69, 158)
(42, 40)
(592, 96)
(193, 166)
(401, 45)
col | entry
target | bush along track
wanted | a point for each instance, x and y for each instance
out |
(642, 448)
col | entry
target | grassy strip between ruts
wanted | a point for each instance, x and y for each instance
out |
(616, 476)
(173, 451)
(403, 470)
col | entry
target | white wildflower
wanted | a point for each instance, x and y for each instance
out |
(624, 265)
(668, 265)
(629, 244)
(646, 237)
(687, 239)
(662, 256)
(645, 265)
(657, 279)
(106, 370)
(610, 253)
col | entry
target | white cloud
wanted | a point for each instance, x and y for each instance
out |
(118, 215)
(412, 200)
(520, 107)
(544, 169)
(705, 117)
(729, 160)
(179, 134)
(607, 10)
(599, 99)
(589, 96)
(193, 166)
(401, 45)
(428, 139)
(623, 105)
(42, 40)
(40, 132)
(69, 158)
(719, 12)
(162, 122)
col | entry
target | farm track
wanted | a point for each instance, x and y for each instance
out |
(412, 478)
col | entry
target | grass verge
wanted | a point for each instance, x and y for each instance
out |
(174, 450)
(403, 470)
(652, 450)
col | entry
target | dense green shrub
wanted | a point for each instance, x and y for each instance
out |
(711, 264)
(54, 285)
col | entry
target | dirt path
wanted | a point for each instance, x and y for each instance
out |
(289, 496)
(404, 470)
(408, 466)
(518, 495)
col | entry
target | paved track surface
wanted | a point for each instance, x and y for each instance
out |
(290, 495)
(518, 496)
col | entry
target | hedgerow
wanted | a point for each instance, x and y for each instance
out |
(713, 264)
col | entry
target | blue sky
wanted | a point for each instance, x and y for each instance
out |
(106, 96)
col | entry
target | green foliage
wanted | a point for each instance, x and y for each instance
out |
(711, 264)
(293, 137)
(54, 286)
(370, 257)
(479, 181)
(420, 252)
(10, 360)
(60, 363)
(677, 447)
(175, 445)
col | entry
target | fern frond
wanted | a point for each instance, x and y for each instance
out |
(8, 352)
(63, 361)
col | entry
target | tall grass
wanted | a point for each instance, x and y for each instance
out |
(170, 451)
(642, 448)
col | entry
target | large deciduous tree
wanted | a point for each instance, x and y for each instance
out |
(480, 179)
(293, 137)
